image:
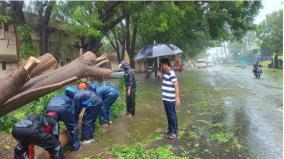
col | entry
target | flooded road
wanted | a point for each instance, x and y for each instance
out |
(224, 114)
(261, 104)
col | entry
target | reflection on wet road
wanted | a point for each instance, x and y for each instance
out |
(261, 102)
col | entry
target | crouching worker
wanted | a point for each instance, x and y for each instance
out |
(64, 107)
(42, 131)
(88, 106)
(108, 94)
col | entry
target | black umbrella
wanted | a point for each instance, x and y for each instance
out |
(157, 50)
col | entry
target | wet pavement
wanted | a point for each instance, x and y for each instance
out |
(225, 113)
(261, 102)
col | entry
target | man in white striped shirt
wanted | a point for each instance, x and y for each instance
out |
(170, 92)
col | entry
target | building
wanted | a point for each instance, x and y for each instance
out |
(60, 44)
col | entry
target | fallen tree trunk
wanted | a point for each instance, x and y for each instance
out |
(13, 84)
(26, 85)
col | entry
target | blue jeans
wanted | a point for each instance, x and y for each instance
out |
(170, 108)
(105, 113)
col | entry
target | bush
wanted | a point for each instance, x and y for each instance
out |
(36, 107)
(117, 109)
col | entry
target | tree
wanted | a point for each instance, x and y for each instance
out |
(31, 82)
(104, 16)
(116, 37)
(43, 9)
(270, 32)
(192, 25)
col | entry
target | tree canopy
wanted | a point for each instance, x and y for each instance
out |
(192, 26)
(270, 32)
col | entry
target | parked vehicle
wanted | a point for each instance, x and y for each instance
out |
(201, 63)
(210, 64)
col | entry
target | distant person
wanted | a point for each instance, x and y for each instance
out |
(130, 88)
(108, 94)
(170, 92)
(42, 131)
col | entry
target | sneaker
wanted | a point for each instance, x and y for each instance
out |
(87, 141)
(129, 115)
(104, 126)
(172, 136)
(167, 132)
(109, 122)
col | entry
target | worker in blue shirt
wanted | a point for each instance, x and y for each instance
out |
(108, 93)
(87, 107)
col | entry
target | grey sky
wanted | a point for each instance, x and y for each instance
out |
(269, 6)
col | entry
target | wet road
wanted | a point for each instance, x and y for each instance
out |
(261, 104)
(253, 110)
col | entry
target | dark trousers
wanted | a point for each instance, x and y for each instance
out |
(71, 124)
(105, 113)
(170, 109)
(130, 102)
(89, 122)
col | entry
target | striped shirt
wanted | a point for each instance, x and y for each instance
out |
(168, 88)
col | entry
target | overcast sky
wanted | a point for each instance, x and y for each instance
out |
(269, 6)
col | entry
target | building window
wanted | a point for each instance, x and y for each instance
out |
(3, 65)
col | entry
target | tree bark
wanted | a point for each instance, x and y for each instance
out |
(115, 44)
(44, 11)
(25, 86)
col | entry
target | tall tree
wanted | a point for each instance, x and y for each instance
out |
(270, 32)
(191, 25)
(43, 9)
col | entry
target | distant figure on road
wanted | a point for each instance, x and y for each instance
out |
(257, 70)
(170, 92)
(130, 88)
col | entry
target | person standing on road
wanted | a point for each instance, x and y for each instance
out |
(170, 92)
(130, 88)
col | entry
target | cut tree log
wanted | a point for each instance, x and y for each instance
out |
(23, 87)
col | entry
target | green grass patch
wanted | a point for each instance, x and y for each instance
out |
(137, 152)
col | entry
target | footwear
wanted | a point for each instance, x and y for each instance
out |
(104, 125)
(129, 115)
(109, 122)
(167, 132)
(173, 136)
(87, 141)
